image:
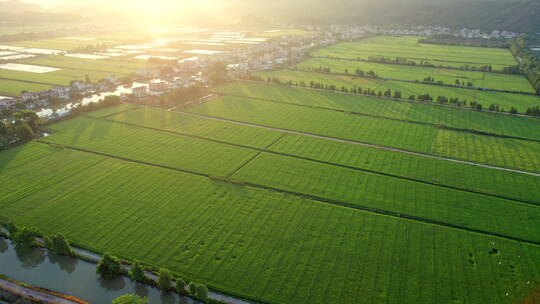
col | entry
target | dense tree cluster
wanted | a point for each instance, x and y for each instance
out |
(109, 266)
(20, 127)
(180, 96)
(530, 63)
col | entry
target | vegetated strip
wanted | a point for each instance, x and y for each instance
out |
(439, 126)
(483, 89)
(311, 197)
(364, 144)
(265, 150)
(398, 99)
(423, 66)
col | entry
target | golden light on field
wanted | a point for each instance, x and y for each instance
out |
(144, 12)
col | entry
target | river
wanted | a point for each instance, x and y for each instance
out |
(58, 112)
(70, 276)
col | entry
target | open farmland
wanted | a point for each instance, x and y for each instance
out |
(202, 157)
(408, 166)
(252, 242)
(497, 81)
(120, 66)
(62, 77)
(15, 88)
(408, 47)
(280, 194)
(416, 112)
(504, 152)
(73, 69)
(505, 100)
(75, 42)
(156, 162)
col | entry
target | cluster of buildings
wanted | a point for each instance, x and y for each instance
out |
(355, 32)
(36, 100)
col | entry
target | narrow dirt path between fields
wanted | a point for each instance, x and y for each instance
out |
(362, 144)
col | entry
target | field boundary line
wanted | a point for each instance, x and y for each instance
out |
(30, 81)
(242, 165)
(482, 89)
(365, 144)
(313, 197)
(265, 150)
(438, 126)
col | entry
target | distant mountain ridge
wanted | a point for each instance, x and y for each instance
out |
(513, 15)
(17, 7)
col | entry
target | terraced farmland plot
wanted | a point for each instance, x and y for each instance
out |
(67, 44)
(408, 47)
(189, 124)
(62, 77)
(15, 88)
(111, 65)
(490, 181)
(268, 246)
(149, 146)
(485, 180)
(371, 190)
(425, 113)
(495, 81)
(112, 110)
(505, 100)
(354, 188)
(504, 152)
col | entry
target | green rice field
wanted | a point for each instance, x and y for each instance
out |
(510, 153)
(408, 166)
(15, 88)
(279, 194)
(247, 165)
(418, 112)
(67, 44)
(409, 48)
(70, 69)
(505, 100)
(498, 81)
(253, 242)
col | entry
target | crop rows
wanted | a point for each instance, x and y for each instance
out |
(430, 170)
(505, 100)
(396, 195)
(189, 124)
(149, 146)
(111, 110)
(15, 88)
(424, 113)
(268, 246)
(345, 185)
(121, 66)
(504, 152)
(408, 47)
(62, 77)
(487, 80)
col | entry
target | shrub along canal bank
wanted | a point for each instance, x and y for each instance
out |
(76, 277)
